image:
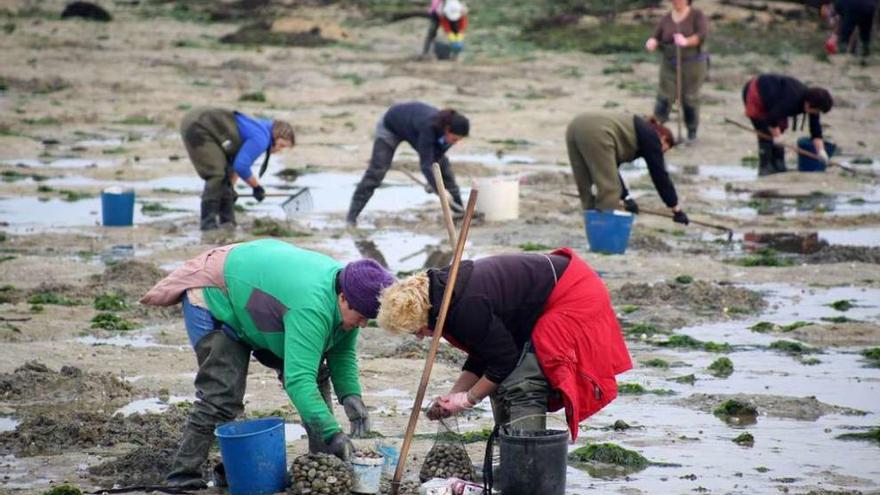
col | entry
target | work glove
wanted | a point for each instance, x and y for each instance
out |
(651, 44)
(259, 194)
(630, 205)
(456, 207)
(680, 39)
(340, 446)
(680, 217)
(823, 155)
(455, 403)
(436, 411)
(357, 415)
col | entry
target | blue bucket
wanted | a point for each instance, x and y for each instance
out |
(254, 455)
(608, 231)
(117, 207)
(807, 164)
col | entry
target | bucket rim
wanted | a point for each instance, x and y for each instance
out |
(368, 461)
(553, 434)
(279, 423)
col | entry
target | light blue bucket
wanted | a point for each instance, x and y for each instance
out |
(367, 473)
(391, 454)
(254, 455)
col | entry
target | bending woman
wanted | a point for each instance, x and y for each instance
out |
(539, 332)
(598, 143)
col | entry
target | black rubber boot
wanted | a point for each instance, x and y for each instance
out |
(186, 469)
(765, 158)
(779, 159)
(661, 109)
(227, 208)
(210, 211)
(692, 121)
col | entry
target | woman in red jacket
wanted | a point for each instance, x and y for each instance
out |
(539, 332)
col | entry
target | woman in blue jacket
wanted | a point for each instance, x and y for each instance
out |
(223, 145)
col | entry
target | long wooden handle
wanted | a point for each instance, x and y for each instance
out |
(444, 204)
(728, 230)
(678, 89)
(797, 149)
(435, 343)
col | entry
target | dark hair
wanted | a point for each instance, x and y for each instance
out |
(662, 131)
(281, 129)
(456, 123)
(820, 99)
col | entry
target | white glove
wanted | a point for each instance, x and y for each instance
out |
(823, 155)
(651, 44)
(680, 39)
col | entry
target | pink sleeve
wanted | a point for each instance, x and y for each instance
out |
(435, 6)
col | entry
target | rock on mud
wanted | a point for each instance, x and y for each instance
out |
(777, 406)
(34, 383)
(845, 254)
(700, 295)
(415, 349)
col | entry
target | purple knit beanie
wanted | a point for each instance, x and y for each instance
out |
(362, 281)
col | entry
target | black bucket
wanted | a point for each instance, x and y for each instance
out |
(533, 462)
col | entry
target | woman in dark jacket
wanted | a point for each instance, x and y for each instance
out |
(770, 100)
(431, 132)
(599, 142)
(539, 331)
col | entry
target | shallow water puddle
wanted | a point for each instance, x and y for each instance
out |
(702, 445)
(492, 159)
(136, 341)
(153, 405)
(63, 163)
(331, 192)
(728, 172)
(866, 236)
(397, 250)
(7, 423)
(294, 432)
(390, 392)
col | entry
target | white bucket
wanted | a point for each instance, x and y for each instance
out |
(367, 474)
(498, 198)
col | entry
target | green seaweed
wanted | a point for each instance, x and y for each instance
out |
(111, 321)
(745, 439)
(628, 308)
(762, 327)
(7, 257)
(688, 342)
(110, 302)
(155, 208)
(71, 196)
(625, 388)
(872, 356)
(256, 96)
(842, 305)
(872, 435)
(735, 408)
(274, 228)
(684, 279)
(642, 328)
(136, 120)
(721, 367)
(50, 297)
(795, 325)
(656, 363)
(609, 453)
(534, 246)
(838, 319)
(65, 489)
(685, 379)
(763, 257)
(791, 348)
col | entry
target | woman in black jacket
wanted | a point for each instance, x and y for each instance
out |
(770, 99)
(431, 132)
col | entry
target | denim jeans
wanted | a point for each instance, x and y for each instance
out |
(200, 322)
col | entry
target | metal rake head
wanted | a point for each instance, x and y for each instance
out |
(298, 203)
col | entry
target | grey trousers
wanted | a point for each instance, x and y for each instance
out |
(521, 399)
(384, 146)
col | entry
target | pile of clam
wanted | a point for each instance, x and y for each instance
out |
(319, 474)
(447, 460)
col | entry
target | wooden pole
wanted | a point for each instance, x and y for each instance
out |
(444, 204)
(796, 149)
(435, 343)
(678, 89)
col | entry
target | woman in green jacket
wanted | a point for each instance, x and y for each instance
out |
(287, 306)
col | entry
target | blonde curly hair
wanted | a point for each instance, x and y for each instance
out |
(404, 305)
